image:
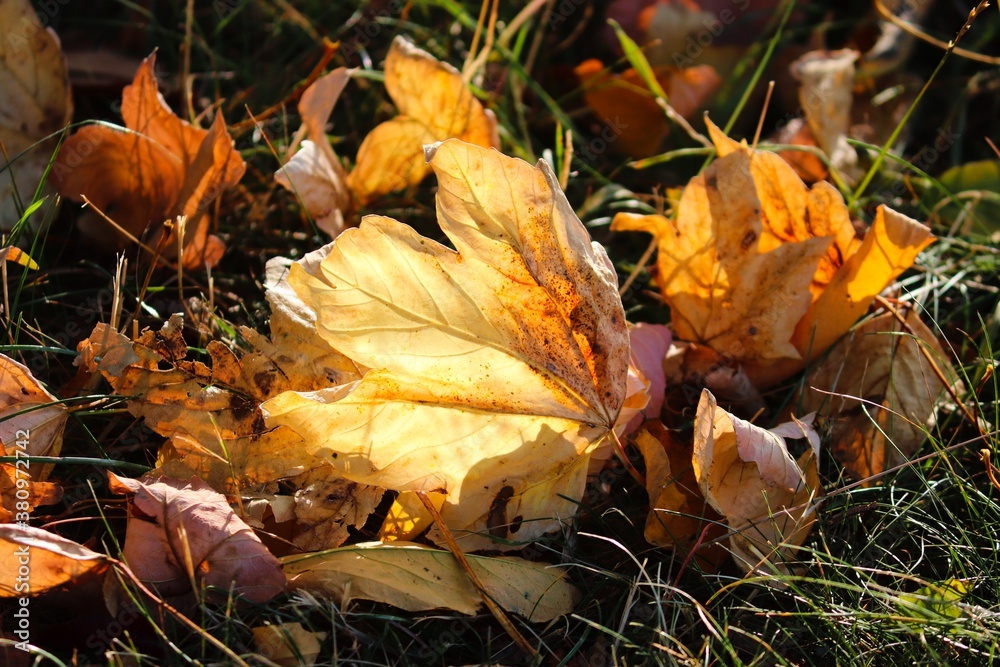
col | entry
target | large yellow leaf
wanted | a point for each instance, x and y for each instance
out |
(496, 367)
(766, 271)
(434, 104)
(880, 393)
(417, 578)
(747, 474)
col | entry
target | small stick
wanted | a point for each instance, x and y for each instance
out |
(763, 112)
(463, 562)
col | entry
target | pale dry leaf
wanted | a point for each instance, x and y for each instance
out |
(418, 578)
(315, 173)
(766, 271)
(747, 474)
(34, 561)
(35, 101)
(288, 644)
(160, 168)
(434, 104)
(496, 367)
(182, 533)
(879, 392)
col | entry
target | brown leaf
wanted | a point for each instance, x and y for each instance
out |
(35, 561)
(880, 393)
(434, 104)
(163, 167)
(182, 533)
(19, 494)
(35, 101)
(29, 415)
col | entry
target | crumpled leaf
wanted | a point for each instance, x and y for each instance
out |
(35, 101)
(496, 368)
(30, 414)
(747, 474)
(288, 644)
(766, 271)
(636, 124)
(414, 577)
(211, 416)
(880, 393)
(163, 167)
(315, 173)
(182, 533)
(434, 104)
(54, 561)
(14, 477)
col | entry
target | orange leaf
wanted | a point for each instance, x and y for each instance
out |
(54, 561)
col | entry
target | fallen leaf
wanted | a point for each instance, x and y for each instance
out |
(636, 124)
(19, 495)
(34, 561)
(935, 602)
(414, 577)
(434, 104)
(35, 101)
(211, 416)
(160, 168)
(17, 256)
(182, 533)
(879, 392)
(766, 271)
(315, 173)
(288, 644)
(747, 475)
(497, 367)
(29, 414)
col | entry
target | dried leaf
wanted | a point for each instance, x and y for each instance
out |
(315, 173)
(434, 104)
(879, 391)
(35, 101)
(288, 644)
(29, 414)
(417, 578)
(765, 271)
(161, 168)
(17, 256)
(34, 561)
(747, 474)
(496, 369)
(182, 533)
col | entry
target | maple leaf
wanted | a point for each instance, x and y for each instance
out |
(415, 577)
(161, 168)
(315, 173)
(434, 104)
(747, 474)
(766, 271)
(182, 533)
(35, 101)
(880, 392)
(496, 368)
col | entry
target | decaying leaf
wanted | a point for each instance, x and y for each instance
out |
(880, 393)
(34, 561)
(182, 534)
(315, 173)
(434, 104)
(417, 578)
(496, 368)
(35, 102)
(288, 644)
(17, 477)
(766, 271)
(636, 124)
(747, 474)
(160, 168)
(29, 414)
(210, 413)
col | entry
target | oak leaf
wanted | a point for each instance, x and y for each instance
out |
(747, 474)
(160, 168)
(879, 392)
(55, 562)
(35, 101)
(434, 104)
(182, 533)
(418, 578)
(496, 368)
(766, 271)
